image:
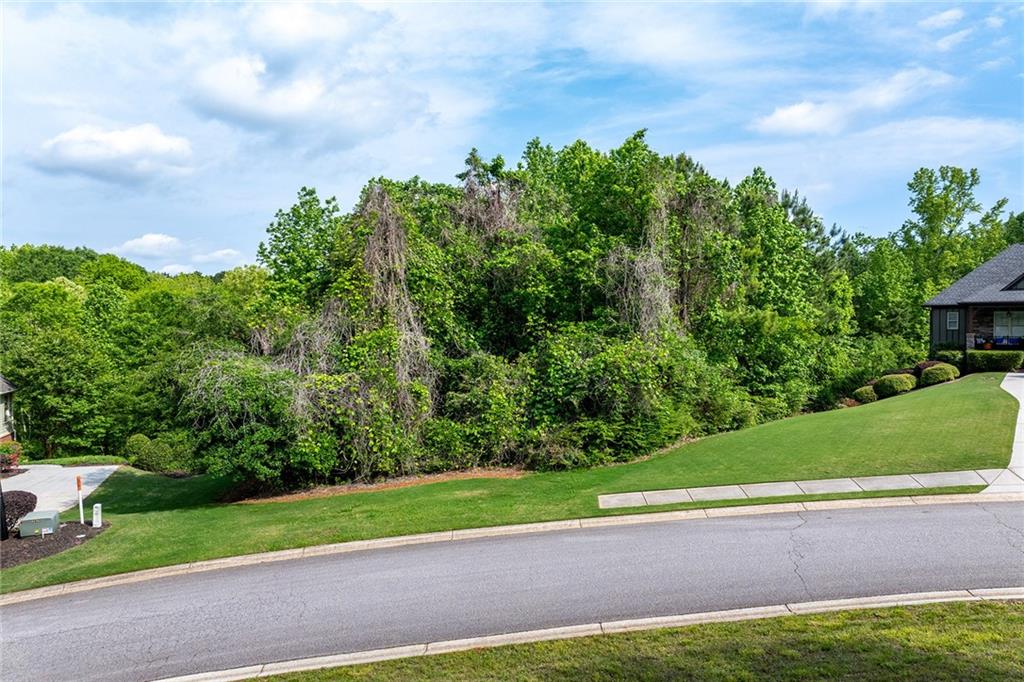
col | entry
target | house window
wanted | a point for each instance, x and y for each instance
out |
(953, 320)
(1008, 323)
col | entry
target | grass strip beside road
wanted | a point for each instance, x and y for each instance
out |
(935, 642)
(159, 521)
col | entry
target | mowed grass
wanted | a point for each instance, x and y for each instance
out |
(957, 641)
(157, 521)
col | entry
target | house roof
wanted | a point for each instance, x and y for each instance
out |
(5, 386)
(988, 282)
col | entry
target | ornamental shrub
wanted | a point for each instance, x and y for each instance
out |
(135, 446)
(894, 384)
(901, 370)
(17, 503)
(922, 366)
(10, 454)
(950, 357)
(994, 360)
(938, 374)
(865, 394)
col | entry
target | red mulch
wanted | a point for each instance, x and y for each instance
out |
(12, 472)
(15, 550)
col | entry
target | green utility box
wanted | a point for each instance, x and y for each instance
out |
(34, 523)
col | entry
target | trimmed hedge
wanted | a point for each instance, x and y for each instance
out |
(922, 366)
(994, 360)
(950, 357)
(938, 374)
(865, 394)
(17, 503)
(894, 384)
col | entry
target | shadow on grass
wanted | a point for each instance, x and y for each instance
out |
(130, 491)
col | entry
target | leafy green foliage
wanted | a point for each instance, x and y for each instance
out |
(894, 384)
(575, 308)
(952, 357)
(994, 360)
(937, 374)
(865, 394)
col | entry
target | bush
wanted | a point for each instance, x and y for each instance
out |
(922, 366)
(950, 357)
(169, 452)
(938, 374)
(17, 503)
(10, 453)
(894, 384)
(902, 370)
(994, 360)
(865, 394)
(135, 447)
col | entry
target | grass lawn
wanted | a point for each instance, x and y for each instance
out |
(957, 641)
(158, 521)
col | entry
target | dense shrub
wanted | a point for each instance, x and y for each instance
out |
(17, 503)
(894, 384)
(994, 360)
(135, 447)
(10, 454)
(937, 374)
(865, 394)
(922, 366)
(901, 370)
(950, 357)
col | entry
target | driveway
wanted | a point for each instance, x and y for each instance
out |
(54, 486)
(422, 593)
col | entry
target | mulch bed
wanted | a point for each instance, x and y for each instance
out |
(15, 550)
(12, 472)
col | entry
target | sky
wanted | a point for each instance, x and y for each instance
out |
(170, 133)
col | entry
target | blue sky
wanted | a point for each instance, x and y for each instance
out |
(170, 133)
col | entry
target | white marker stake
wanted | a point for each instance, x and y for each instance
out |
(97, 515)
(81, 510)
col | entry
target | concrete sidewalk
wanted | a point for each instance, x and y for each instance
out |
(54, 486)
(1009, 480)
(651, 498)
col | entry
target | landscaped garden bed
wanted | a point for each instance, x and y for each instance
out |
(18, 550)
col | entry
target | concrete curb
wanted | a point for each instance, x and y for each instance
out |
(496, 531)
(590, 629)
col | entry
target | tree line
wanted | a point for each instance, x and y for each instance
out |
(579, 308)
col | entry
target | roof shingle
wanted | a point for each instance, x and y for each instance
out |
(987, 282)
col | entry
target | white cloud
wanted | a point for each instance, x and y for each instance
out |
(993, 64)
(942, 19)
(947, 43)
(151, 245)
(833, 113)
(296, 25)
(219, 256)
(662, 36)
(121, 155)
(241, 90)
(994, 21)
(839, 168)
(175, 269)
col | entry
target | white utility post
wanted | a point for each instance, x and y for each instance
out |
(81, 510)
(97, 515)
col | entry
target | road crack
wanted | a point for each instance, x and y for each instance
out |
(1019, 546)
(795, 553)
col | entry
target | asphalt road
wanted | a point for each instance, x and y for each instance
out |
(366, 600)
